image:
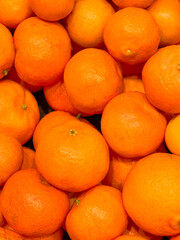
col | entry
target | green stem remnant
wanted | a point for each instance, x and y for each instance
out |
(24, 106)
(77, 202)
(78, 116)
(5, 72)
(73, 132)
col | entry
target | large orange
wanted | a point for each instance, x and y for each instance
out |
(133, 3)
(92, 77)
(18, 110)
(129, 125)
(154, 184)
(167, 15)
(161, 79)
(97, 214)
(73, 156)
(42, 51)
(131, 35)
(31, 206)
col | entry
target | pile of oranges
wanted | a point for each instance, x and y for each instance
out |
(89, 119)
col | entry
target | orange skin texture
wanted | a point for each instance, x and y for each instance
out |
(157, 209)
(130, 70)
(57, 98)
(118, 170)
(47, 122)
(130, 237)
(52, 10)
(31, 206)
(133, 3)
(7, 50)
(100, 215)
(72, 156)
(29, 158)
(96, 82)
(131, 35)
(133, 83)
(167, 15)
(14, 12)
(42, 51)
(131, 129)
(19, 111)
(11, 156)
(86, 22)
(161, 76)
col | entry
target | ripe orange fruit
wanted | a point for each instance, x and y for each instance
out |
(7, 51)
(167, 15)
(18, 110)
(28, 159)
(129, 125)
(154, 181)
(130, 237)
(102, 78)
(42, 51)
(133, 83)
(131, 35)
(11, 156)
(133, 3)
(161, 75)
(31, 206)
(73, 156)
(52, 10)
(86, 22)
(47, 122)
(97, 214)
(12, 12)
(57, 98)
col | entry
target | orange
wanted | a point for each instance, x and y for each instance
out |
(28, 159)
(18, 110)
(57, 98)
(154, 182)
(11, 156)
(92, 77)
(172, 135)
(129, 125)
(97, 214)
(72, 156)
(131, 35)
(12, 12)
(42, 51)
(130, 70)
(118, 170)
(31, 206)
(86, 22)
(129, 237)
(7, 50)
(161, 75)
(133, 83)
(167, 15)
(52, 10)
(47, 122)
(133, 3)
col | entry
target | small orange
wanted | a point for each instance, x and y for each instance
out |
(133, 83)
(31, 206)
(19, 111)
(131, 35)
(86, 22)
(129, 125)
(28, 159)
(133, 3)
(95, 81)
(52, 10)
(154, 182)
(72, 156)
(97, 214)
(12, 12)
(42, 51)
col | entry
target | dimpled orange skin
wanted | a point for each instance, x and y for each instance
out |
(73, 156)
(7, 50)
(100, 215)
(42, 51)
(133, 3)
(31, 206)
(129, 125)
(161, 79)
(19, 111)
(155, 210)
(92, 77)
(167, 15)
(131, 35)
